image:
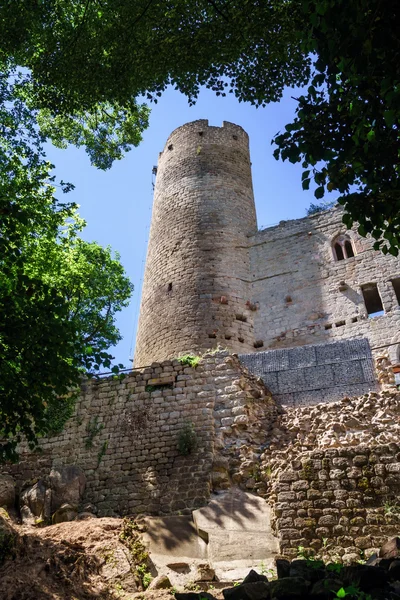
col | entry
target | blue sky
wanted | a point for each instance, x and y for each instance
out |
(117, 203)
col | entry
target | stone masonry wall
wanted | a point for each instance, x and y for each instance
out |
(196, 290)
(304, 296)
(124, 435)
(315, 373)
(332, 474)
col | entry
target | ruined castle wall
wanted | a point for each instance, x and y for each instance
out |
(196, 286)
(330, 472)
(333, 475)
(339, 502)
(305, 296)
(125, 435)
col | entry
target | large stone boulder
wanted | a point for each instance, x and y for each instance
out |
(35, 503)
(8, 537)
(391, 549)
(67, 486)
(65, 513)
(7, 491)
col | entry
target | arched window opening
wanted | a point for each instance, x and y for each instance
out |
(349, 249)
(343, 248)
(339, 252)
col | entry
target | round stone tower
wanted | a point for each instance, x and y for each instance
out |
(196, 290)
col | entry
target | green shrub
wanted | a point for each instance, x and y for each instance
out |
(189, 360)
(187, 439)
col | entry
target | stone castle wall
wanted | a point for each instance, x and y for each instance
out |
(196, 287)
(330, 472)
(333, 475)
(212, 279)
(315, 373)
(125, 435)
(304, 296)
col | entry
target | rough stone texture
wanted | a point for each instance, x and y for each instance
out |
(65, 513)
(7, 491)
(35, 503)
(304, 296)
(124, 436)
(333, 476)
(315, 373)
(330, 472)
(211, 278)
(196, 290)
(67, 486)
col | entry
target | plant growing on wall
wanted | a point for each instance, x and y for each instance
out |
(187, 439)
(189, 360)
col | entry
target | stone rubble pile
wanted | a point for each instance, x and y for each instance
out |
(371, 420)
(53, 499)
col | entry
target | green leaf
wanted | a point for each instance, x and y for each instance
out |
(390, 117)
(341, 593)
(319, 192)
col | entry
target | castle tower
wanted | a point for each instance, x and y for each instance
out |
(196, 290)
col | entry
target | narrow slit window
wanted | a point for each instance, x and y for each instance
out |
(372, 300)
(339, 252)
(349, 249)
(396, 287)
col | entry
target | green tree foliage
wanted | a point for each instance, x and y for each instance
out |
(314, 209)
(89, 60)
(58, 294)
(346, 130)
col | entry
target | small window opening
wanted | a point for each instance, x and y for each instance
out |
(349, 249)
(340, 323)
(339, 252)
(170, 287)
(354, 319)
(328, 326)
(396, 287)
(212, 335)
(235, 137)
(170, 147)
(372, 300)
(343, 247)
(241, 318)
(200, 133)
(228, 337)
(258, 344)
(241, 340)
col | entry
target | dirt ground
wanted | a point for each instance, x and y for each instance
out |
(79, 560)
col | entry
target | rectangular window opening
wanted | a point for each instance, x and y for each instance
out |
(396, 287)
(328, 326)
(372, 300)
(241, 318)
(354, 319)
(340, 323)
